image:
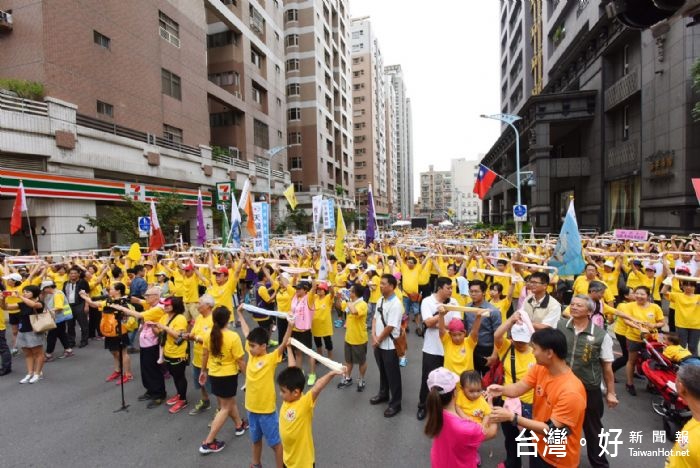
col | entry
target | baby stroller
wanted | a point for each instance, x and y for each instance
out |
(661, 375)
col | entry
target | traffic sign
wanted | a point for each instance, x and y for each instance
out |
(520, 212)
(144, 223)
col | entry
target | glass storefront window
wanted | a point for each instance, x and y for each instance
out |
(624, 197)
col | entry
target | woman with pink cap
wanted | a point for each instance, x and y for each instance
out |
(455, 440)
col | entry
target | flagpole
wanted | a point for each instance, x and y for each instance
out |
(500, 176)
(31, 234)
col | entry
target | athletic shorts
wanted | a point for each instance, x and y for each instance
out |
(264, 425)
(324, 342)
(224, 387)
(15, 318)
(191, 311)
(112, 343)
(355, 354)
(304, 337)
(635, 346)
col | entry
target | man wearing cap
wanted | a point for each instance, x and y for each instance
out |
(433, 351)
(13, 284)
(386, 327)
(590, 356)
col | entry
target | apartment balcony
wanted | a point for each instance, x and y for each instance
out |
(570, 167)
(625, 154)
(5, 21)
(257, 25)
(623, 89)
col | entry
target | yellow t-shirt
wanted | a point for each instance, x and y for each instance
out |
(225, 364)
(523, 363)
(356, 331)
(190, 288)
(409, 278)
(610, 279)
(691, 459)
(15, 299)
(171, 350)
(322, 325)
(153, 314)
(620, 325)
(474, 410)
(503, 305)
(341, 280)
(375, 294)
(652, 313)
(95, 287)
(296, 431)
(260, 396)
(58, 279)
(201, 329)
(581, 287)
(284, 298)
(458, 358)
(676, 353)
(687, 310)
(223, 294)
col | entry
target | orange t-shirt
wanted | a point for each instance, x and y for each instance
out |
(562, 398)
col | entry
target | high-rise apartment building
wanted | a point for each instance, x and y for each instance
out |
(369, 115)
(142, 98)
(319, 99)
(404, 142)
(465, 204)
(436, 192)
(612, 126)
(392, 163)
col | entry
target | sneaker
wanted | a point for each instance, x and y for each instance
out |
(48, 357)
(15, 351)
(145, 397)
(200, 407)
(631, 390)
(272, 343)
(346, 382)
(35, 378)
(403, 362)
(177, 407)
(154, 403)
(125, 379)
(214, 447)
(312, 380)
(66, 354)
(240, 430)
(26, 379)
(113, 376)
(172, 400)
(361, 385)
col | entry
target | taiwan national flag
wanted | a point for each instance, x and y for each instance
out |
(484, 181)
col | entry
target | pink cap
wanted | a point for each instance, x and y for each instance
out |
(444, 379)
(456, 325)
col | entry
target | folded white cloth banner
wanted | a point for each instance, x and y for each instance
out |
(296, 270)
(329, 363)
(258, 310)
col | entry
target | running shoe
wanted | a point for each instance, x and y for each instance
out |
(15, 351)
(312, 380)
(48, 357)
(214, 447)
(403, 362)
(126, 378)
(113, 376)
(361, 385)
(240, 430)
(346, 382)
(177, 407)
(200, 407)
(171, 401)
(26, 379)
(66, 354)
(35, 378)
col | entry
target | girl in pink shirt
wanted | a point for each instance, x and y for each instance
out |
(455, 440)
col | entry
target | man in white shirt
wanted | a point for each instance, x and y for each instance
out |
(433, 352)
(543, 309)
(386, 327)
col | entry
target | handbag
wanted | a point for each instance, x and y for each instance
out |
(496, 373)
(400, 344)
(42, 322)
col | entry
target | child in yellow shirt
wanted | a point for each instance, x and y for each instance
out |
(296, 414)
(471, 403)
(677, 353)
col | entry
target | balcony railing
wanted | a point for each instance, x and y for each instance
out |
(582, 4)
(624, 154)
(25, 106)
(623, 89)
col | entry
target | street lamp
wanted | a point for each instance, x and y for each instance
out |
(271, 153)
(509, 119)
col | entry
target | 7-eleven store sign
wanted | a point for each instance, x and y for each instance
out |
(135, 191)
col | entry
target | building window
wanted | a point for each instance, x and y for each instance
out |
(173, 134)
(105, 109)
(261, 134)
(279, 134)
(169, 29)
(221, 39)
(293, 89)
(296, 162)
(294, 138)
(625, 198)
(294, 113)
(292, 15)
(257, 22)
(625, 123)
(229, 2)
(291, 40)
(298, 187)
(257, 95)
(171, 84)
(228, 78)
(292, 65)
(222, 119)
(255, 58)
(101, 40)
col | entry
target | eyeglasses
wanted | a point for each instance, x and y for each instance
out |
(535, 282)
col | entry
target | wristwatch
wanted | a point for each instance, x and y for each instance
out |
(515, 419)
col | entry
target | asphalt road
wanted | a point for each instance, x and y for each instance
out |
(67, 419)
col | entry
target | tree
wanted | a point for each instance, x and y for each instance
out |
(297, 220)
(121, 219)
(696, 86)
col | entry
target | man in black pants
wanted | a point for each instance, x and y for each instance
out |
(386, 327)
(72, 289)
(484, 348)
(590, 355)
(433, 352)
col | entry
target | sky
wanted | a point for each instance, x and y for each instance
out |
(449, 53)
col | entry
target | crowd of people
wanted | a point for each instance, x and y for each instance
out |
(507, 342)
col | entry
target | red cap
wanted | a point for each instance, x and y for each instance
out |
(188, 268)
(221, 270)
(323, 286)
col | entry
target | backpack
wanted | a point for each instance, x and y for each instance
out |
(108, 324)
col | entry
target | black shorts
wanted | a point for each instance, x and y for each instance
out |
(324, 342)
(304, 337)
(224, 387)
(15, 318)
(112, 343)
(355, 354)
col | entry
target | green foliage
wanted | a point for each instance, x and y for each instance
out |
(23, 88)
(696, 86)
(296, 220)
(121, 219)
(350, 216)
